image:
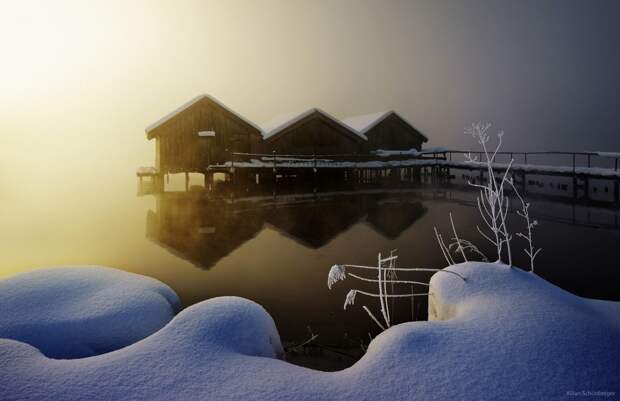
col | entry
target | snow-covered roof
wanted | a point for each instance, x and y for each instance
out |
(358, 125)
(190, 103)
(281, 122)
(364, 123)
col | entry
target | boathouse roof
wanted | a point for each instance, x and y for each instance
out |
(364, 123)
(190, 103)
(278, 124)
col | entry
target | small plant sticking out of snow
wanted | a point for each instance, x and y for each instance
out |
(530, 251)
(386, 280)
(493, 205)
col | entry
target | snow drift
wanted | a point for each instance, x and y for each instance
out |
(503, 334)
(75, 312)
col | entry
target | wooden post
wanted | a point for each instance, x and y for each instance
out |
(209, 180)
(275, 179)
(159, 183)
(186, 181)
(588, 160)
(575, 186)
(314, 171)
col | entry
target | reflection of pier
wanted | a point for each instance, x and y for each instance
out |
(204, 230)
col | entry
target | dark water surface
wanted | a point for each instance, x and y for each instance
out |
(277, 251)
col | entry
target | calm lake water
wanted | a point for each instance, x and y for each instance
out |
(278, 250)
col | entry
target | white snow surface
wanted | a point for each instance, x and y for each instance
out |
(73, 312)
(503, 334)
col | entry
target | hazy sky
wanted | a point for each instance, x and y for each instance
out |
(79, 80)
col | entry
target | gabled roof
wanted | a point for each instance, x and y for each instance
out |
(190, 103)
(278, 124)
(364, 123)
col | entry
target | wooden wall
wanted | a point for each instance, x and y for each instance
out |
(180, 148)
(315, 134)
(394, 133)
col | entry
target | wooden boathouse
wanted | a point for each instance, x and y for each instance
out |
(201, 132)
(313, 132)
(386, 130)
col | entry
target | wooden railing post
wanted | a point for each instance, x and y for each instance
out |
(273, 169)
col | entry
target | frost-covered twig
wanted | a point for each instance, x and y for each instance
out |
(303, 344)
(492, 203)
(531, 252)
(373, 317)
(459, 247)
(444, 249)
(468, 246)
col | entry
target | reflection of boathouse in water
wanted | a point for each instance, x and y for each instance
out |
(203, 230)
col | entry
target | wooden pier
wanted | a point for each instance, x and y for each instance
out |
(256, 169)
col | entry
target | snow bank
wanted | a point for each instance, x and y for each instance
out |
(81, 311)
(503, 334)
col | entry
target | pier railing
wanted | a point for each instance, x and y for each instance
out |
(277, 159)
(607, 160)
(575, 160)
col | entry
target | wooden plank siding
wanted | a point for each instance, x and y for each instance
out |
(180, 149)
(394, 133)
(315, 134)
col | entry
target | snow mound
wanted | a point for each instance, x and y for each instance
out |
(75, 312)
(503, 334)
